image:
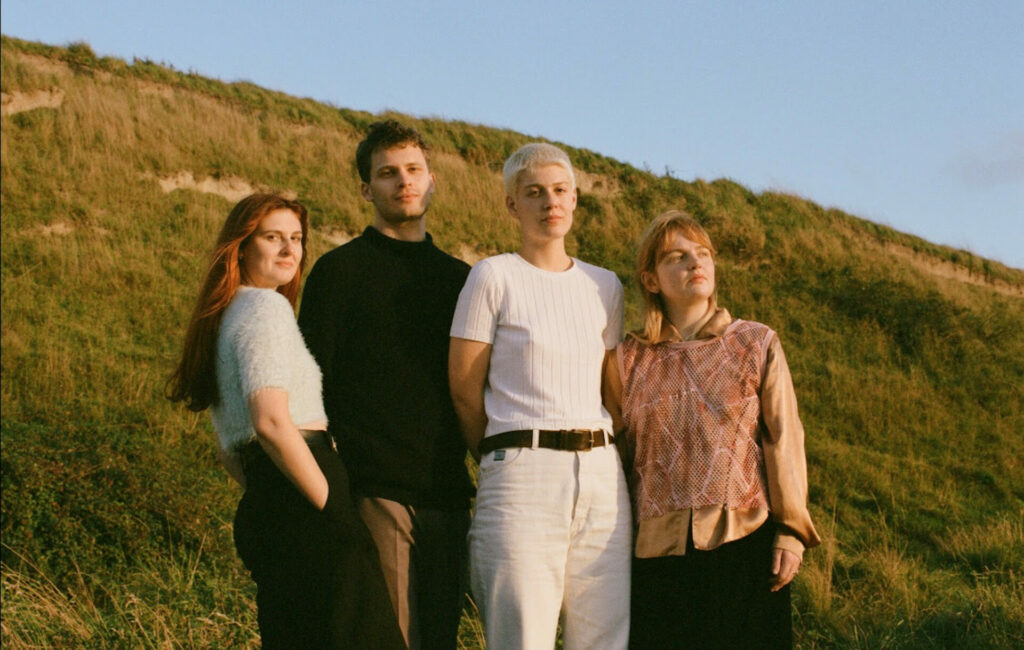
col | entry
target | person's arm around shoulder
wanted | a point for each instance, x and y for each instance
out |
(468, 364)
(284, 444)
(786, 467)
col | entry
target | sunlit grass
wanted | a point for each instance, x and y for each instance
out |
(116, 517)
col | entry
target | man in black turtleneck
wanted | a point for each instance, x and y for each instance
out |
(376, 314)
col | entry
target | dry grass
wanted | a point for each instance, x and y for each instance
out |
(116, 517)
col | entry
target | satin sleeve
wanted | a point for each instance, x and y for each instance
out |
(784, 456)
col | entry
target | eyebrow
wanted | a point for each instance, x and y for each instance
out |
(555, 184)
(698, 248)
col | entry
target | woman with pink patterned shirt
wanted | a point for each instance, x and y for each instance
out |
(715, 451)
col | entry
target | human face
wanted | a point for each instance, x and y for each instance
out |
(684, 273)
(400, 184)
(544, 201)
(271, 256)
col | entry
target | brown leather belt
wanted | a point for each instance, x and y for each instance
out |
(563, 440)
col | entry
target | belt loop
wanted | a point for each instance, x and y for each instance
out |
(536, 439)
(607, 443)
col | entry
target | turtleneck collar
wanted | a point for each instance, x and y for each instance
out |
(378, 238)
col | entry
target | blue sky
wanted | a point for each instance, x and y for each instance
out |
(907, 113)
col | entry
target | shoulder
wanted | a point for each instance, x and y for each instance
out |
(250, 300)
(340, 255)
(450, 264)
(753, 333)
(495, 266)
(253, 312)
(447, 259)
(601, 275)
(751, 327)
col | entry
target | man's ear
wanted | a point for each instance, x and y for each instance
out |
(364, 189)
(510, 205)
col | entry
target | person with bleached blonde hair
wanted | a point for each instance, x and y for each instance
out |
(550, 536)
(718, 475)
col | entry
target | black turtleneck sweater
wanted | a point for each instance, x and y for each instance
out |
(376, 313)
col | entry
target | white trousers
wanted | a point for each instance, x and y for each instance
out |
(551, 540)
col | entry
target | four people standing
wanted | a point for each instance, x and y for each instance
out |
(702, 406)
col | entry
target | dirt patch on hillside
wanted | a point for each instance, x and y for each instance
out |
(597, 184)
(336, 236)
(65, 228)
(232, 188)
(951, 271)
(59, 228)
(19, 102)
(44, 64)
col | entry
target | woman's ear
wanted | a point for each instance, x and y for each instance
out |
(650, 281)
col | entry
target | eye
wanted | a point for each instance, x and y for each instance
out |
(270, 236)
(297, 239)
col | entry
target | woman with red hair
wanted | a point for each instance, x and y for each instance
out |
(318, 578)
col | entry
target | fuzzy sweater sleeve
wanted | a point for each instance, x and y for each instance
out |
(266, 343)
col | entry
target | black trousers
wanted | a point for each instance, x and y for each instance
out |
(711, 599)
(317, 573)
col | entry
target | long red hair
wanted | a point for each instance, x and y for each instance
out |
(195, 379)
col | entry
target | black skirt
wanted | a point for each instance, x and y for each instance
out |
(719, 598)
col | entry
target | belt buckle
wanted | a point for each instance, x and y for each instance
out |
(570, 437)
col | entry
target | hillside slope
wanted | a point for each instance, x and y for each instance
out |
(908, 357)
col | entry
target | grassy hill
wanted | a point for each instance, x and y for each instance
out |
(908, 357)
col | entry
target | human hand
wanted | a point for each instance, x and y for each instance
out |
(785, 565)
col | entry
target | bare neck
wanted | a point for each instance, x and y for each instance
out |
(550, 256)
(411, 231)
(689, 318)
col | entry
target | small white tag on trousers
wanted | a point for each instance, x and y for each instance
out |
(499, 454)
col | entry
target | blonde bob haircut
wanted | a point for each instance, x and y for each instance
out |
(652, 245)
(531, 156)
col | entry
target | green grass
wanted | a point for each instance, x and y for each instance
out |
(116, 518)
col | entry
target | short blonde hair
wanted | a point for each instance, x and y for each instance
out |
(651, 244)
(532, 155)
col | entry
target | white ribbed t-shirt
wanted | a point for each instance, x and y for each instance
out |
(549, 332)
